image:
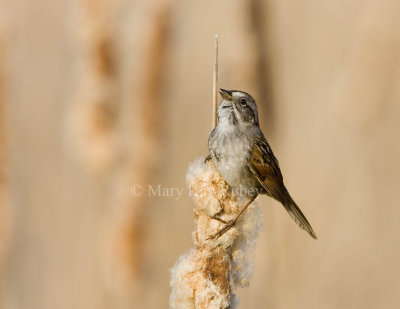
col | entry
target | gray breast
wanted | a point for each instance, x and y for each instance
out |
(230, 150)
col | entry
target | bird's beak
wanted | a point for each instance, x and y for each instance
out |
(225, 94)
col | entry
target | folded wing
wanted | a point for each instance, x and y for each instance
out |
(265, 167)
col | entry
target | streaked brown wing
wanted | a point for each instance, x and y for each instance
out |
(266, 168)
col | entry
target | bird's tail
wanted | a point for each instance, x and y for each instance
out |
(297, 215)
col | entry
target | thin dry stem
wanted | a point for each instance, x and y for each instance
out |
(215, 81)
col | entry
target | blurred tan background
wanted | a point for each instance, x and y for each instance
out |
(99, 95)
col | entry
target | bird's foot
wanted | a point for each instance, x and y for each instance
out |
(227, 227)
(219, 219)
(208, 158)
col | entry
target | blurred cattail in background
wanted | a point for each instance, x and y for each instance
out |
(118, 133)
(94, 113)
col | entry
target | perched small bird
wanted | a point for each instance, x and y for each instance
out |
(243, 157)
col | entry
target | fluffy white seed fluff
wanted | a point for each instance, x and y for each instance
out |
(207, 275)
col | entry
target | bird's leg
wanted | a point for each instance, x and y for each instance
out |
(231, 223)
(208, 158)
(215, 217)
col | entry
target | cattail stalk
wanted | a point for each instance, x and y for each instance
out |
(207, 275)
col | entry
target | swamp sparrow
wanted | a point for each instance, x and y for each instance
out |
(243, 157)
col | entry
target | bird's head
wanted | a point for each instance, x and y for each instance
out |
(238, 107)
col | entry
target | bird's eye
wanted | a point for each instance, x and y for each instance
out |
(243, 102)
